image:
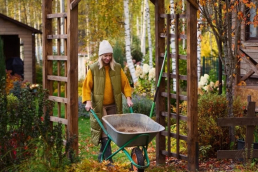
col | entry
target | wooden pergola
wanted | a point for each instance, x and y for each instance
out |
(66, 61)
(163, 102)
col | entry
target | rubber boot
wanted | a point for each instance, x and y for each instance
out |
(108, 151)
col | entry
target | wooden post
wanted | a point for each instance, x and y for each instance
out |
(192, 113)
(160, 101)
(47, 44)
(72, 74)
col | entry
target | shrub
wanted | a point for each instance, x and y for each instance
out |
(26, 134)
(141, 104)
(210, 108)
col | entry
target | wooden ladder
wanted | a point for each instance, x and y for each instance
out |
(66, 75)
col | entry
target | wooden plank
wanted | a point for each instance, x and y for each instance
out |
(247, 75)
(57, 58)
(173, 115)
(183, 57)
(237, 121)
(72, 73)
(57, 78)
(232, 154)
(160, 101)
(57, 15)
(181, 97)
(59, 120)
(58, 99)
(192, 87)
(47, 44)
(181, 36)
(181, 77)
(172, 16)
(174, 135)
(57, 36)
(194, 4)
(74, 3)
(180, 156)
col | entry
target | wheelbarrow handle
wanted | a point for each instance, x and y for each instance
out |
(100, 123)
(131, 109)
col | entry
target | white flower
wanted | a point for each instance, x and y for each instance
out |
(152, 74)
(200, 84)
(206, 76)
(204, 80)
(146, 68)
(212, 84)
(138, 71)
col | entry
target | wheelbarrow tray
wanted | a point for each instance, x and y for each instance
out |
(124, 127)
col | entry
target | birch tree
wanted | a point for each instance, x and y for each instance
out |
(149, 32)
(143, 49)
(172, 43)
(128, 41)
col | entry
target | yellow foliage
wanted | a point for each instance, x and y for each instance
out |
(208, 44)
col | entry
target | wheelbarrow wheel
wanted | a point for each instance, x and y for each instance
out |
(138, 158)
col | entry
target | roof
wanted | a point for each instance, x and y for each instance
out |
(33, 30)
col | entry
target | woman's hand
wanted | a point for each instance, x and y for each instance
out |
(129, 102)
(88, 106)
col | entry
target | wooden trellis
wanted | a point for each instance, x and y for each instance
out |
(163, 101)
(67, 63)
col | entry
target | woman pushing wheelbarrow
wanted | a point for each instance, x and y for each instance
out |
(102, 93)
(102, 89)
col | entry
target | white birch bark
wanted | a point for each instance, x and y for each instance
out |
(143, 49)
(149, 33)
(173, 45)
(199, 49)
(6, 8)
(62, 10)
(128, 42)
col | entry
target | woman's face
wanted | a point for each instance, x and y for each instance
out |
(106, 58)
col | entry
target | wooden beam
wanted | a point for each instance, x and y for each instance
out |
(232, 154)
(57, 119)
(160, 101)
(57, 15)
(181, 156)
(194, 4)
(57, 78)
(74, 3)
(58, 99)
(153, 1)
(57, 58)
(72, 73)
(192, 86)
(64, 36)
(247, 75)
(237, 121)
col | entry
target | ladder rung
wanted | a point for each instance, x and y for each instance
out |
(57, 58)
(57, 119)
(57, 78)
(164, 35)
(181, 77)
(57, 15)
(181, 97)
(57, 99)
(172, 16)
(57, 36)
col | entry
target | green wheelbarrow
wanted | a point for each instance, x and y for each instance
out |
(130, 130)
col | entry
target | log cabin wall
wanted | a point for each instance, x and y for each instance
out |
(9, 26)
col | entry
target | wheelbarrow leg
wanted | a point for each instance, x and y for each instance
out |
(107, 152)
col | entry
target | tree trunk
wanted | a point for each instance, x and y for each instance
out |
(172, 44)
(128, 42)
(149, 33)
(143, 47)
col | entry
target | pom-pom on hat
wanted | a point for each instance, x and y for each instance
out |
(105, 47)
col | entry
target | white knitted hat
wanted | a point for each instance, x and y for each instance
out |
(105, 47)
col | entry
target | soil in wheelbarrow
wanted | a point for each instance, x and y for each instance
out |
(132, 129)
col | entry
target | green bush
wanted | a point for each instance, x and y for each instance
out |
(141, 104)
(26, 134)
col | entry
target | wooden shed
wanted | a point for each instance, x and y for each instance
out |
(16, 35)
(247, 80)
